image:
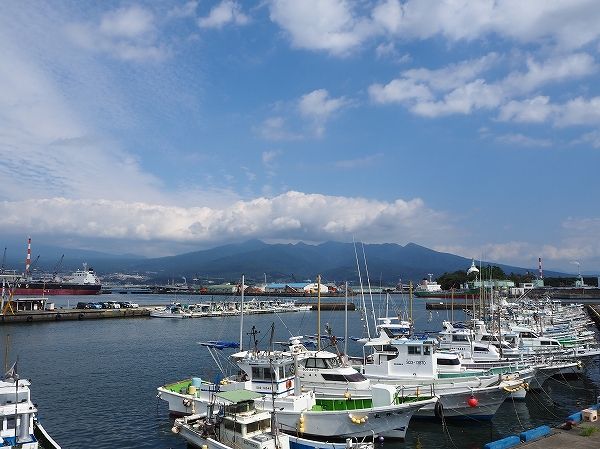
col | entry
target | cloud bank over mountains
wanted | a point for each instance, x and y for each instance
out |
(117, 120)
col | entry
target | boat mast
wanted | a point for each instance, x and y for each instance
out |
(318, 312)
(346, 322)
(362, 291)
(369, 284)
(242, 317)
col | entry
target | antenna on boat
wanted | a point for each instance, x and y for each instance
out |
(271, 337)
(253, 333)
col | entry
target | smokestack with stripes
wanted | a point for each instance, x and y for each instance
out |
(28, 260)
(540, 267)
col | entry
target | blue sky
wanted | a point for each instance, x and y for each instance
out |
(162, 127)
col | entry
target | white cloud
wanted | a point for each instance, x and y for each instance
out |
(318, 107)
(321, 25)
(462, 100)
(127, 33)
(130, 22)
(579, 111)
(592, 138)
(569, 24)
(275, 128)
(292, 216)
(554, 69)
(188, 9)
(399, 91)
(268, 157)
(523, 140)
(340, 26)
(228, 11)
(459, 88)
(532, 110)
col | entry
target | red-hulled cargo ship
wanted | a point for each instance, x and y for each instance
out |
(82, 282)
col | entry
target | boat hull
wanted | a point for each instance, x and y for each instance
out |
(53, 289)
(455, 405)
(390, 421)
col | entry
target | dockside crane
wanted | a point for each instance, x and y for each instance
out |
(57, 267)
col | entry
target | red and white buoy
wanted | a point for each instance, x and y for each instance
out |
(28, 260)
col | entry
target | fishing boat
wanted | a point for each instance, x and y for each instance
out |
(171, 311)
(19, 426)
(418, 367)
(273, 375)
(237, 423)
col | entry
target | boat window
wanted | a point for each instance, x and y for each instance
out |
(310, 363)
(378, 347)
(426, 350)
(555, 343)
(281, 372)
(320, 363)
(545, 343)
(256, 373)
(459, 338)
(267, 373)
(333, 363)
(390, 348)
(448, 362)
(481, 349)
(355, 377)
(414, 350)
(333, 377)
(233, 425)
(255, 426)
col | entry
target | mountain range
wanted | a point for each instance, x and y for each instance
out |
(335, 261)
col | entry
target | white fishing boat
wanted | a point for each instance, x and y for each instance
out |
(415, 367)
(238, 424)
(273, 375)
(19, 427)
(171, 311)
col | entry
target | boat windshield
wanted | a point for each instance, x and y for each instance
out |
(333, 363)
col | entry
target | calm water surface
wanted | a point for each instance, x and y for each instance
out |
(95, 381)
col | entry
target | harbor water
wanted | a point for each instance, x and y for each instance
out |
(95, 381)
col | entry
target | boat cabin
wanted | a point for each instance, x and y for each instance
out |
(401, 358)
(267, 372)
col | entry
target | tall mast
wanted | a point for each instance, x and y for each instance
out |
(362, 291)
(369, 284)
(318, 312)
(346, 321)
(242, 317)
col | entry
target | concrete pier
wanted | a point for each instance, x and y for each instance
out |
(33, 316)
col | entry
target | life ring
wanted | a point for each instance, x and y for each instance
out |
(288, 384)
(29, 318)
(58, 317)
